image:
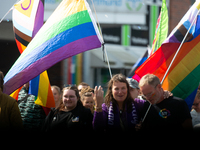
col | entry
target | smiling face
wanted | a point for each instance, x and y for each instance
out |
(69, 99)
(88, 102)
(119, 91)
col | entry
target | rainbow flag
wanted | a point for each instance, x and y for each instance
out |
(70, 30)
(139, 62)
(27, 20)
(161, 28)
(184, 75)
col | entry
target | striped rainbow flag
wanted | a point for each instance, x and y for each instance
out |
(184, 75)
(70, 30)
(27, 20)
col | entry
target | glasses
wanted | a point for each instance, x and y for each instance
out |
(195, 104)
(69, 85)
(150, 95)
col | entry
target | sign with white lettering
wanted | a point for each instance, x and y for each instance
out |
(111, 34)
(139, 35)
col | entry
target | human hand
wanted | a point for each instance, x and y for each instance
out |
(138, 126)
(167, 94)
(98, 98)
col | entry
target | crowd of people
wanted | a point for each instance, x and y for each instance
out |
(127, 107)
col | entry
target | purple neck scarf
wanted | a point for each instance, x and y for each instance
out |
(132, 119)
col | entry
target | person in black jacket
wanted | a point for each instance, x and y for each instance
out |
(166, 115)
(70, 116)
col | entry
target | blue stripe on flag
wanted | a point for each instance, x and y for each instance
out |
(190, 99)
(34, 86)
(22, 29)
(60, 40)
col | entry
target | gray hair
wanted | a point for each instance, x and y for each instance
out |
(149, 79)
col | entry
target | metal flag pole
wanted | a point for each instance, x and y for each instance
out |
(179, 48)
(103, 44)
(8, 11)
(6, 14)
(173, 60)
(108, 63)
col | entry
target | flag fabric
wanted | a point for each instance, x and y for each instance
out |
(161, 28)
(138, 64)
(70, 30)
(184, 75)
(15, 94)
(40, 87)
(27, 20)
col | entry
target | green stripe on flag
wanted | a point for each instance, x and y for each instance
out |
(185, 88)
(46, 33)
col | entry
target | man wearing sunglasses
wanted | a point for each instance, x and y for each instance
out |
(166, 114)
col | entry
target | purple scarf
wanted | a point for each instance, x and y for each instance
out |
(114, 119)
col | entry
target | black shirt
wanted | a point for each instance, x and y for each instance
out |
(168, 115)
(77, 120)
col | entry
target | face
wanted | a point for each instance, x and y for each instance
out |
(152, 93)
(134, 92)
(26, 85)
(69, 99)
(88, 102)
(196, 104)
(119, 91)
(56, 95)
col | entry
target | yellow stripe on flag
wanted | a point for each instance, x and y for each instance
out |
(43, 89)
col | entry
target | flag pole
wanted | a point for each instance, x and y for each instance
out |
(108, 63)
(8, 11)
(6, 14)
(173, 60)
(179, 48)
(104, 47)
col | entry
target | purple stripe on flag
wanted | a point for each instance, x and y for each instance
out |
(38, 18)
(171, 39)
(49, 60)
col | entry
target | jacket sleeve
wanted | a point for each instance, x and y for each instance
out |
(100, 119)
(15, 116)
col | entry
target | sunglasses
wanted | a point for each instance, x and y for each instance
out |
(69, 85)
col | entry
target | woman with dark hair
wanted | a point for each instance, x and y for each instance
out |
(70, 116)
(120, 111)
